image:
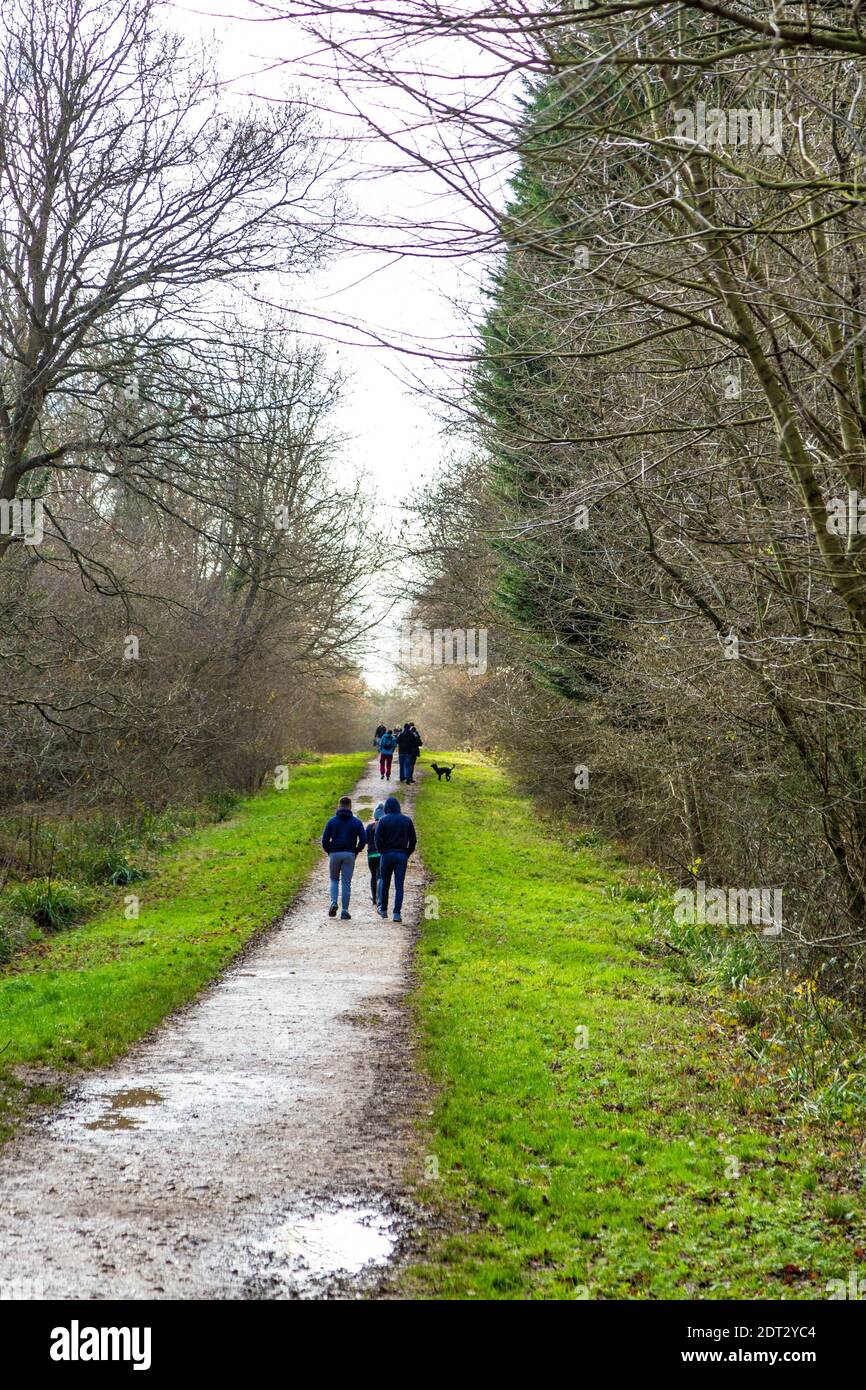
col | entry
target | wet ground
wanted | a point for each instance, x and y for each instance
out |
(255, 1146)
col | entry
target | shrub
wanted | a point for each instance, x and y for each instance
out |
(53, 903)
(112, 866)
(222, 804)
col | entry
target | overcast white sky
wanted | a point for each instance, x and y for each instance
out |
(394, 434)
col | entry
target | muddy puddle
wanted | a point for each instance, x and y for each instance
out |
(117, 1115)
(169, 1103)
(316, 1246)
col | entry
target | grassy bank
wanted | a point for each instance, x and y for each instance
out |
(80, 997)
(632, 1160)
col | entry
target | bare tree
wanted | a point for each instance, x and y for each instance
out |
(129, 194)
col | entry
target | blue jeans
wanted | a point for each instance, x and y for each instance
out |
(405, 766)
(393, 861)
(341, 866)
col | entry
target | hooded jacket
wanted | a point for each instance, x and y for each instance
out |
(387, 743)
(344, 832)
(372, 852)
(395, 831)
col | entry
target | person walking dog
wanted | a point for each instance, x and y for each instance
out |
(416, 749)
(395, 841)
(373, 855)
(343, 838)
(407, 746)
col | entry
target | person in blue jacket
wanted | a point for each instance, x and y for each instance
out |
(395, 841)
(343, 838)
(387, 744)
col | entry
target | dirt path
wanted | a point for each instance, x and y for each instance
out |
(254, 1145)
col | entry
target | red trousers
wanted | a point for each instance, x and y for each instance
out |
(385, 760)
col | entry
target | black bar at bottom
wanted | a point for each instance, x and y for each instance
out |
(155, 1338)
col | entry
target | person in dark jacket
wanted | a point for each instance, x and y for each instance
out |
(373, 855)
(408, 744)
(343, 838)
(387, 744)
(415, 751)
(395, 841)
(380, 730)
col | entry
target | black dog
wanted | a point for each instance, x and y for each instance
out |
(443, 772)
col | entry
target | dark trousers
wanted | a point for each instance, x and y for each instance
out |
(373, 866)
(405, 766)
(393, 861)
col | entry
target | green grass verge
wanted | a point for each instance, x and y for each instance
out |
(81, 997)
(636, 1167)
